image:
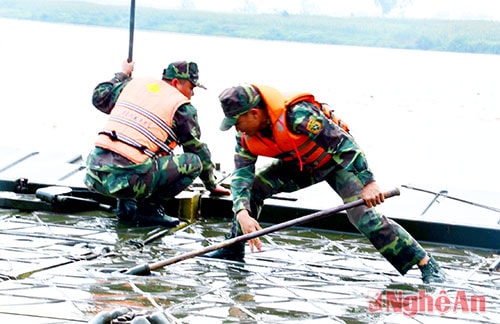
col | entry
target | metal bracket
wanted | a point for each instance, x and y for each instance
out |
(442, 193)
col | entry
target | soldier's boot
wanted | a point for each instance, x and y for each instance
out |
(233, 252)
(154, 214)
(126, 210)
(431, 272)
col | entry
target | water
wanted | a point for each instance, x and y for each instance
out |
(421, 117)
(302, 276)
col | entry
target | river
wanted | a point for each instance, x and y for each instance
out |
(421, 117)
(427, 118)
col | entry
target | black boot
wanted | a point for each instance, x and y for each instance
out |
(233, 252)
(153, 214)
(126, 211)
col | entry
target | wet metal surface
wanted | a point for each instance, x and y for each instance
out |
(301, 276)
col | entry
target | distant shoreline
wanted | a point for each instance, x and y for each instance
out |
(462, 36)
(421, 117)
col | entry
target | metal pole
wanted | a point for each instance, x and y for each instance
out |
(145, 269)
(131, 31)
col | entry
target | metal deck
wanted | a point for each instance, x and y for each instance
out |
(302, 275)
(436, 216)
(66, 267)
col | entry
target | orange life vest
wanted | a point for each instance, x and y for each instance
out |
(140, 124)
(285, 144)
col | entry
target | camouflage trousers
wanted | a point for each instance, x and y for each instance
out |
(155, 179)
(388, 237)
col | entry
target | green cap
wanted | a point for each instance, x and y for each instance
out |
(236, 101)
(183, 70)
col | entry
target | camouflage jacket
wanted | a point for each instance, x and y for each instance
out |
(336, 142)
(185, 124)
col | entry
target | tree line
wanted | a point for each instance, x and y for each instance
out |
(467, 36)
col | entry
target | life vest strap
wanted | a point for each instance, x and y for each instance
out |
(127, 140)
(143, 131)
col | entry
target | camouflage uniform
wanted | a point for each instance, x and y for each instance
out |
(346, 173)
(158, 178)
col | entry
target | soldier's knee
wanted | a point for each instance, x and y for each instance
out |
(189, 163)
(366, 220)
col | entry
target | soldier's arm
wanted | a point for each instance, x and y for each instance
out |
(106, 93)
(187, 129)
(243, 176)
(304, 118)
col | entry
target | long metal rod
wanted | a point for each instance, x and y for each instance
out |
(453, 198)
(18, 161)
(91, 255)
(131, 31)
(146, 268)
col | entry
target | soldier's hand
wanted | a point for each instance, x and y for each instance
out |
(248, 224)
(372, 194)
(220, 191)
(128, 67)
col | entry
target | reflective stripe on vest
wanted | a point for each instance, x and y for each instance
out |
(143, 131)
(151, 116)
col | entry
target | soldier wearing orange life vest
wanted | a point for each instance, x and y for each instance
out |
(134, 158)
(309, 146)
(283, 143)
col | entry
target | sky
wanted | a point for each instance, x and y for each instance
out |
(443, 9)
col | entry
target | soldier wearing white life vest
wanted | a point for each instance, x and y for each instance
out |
(134, 158)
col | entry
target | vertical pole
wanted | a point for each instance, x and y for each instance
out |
(131, 31)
